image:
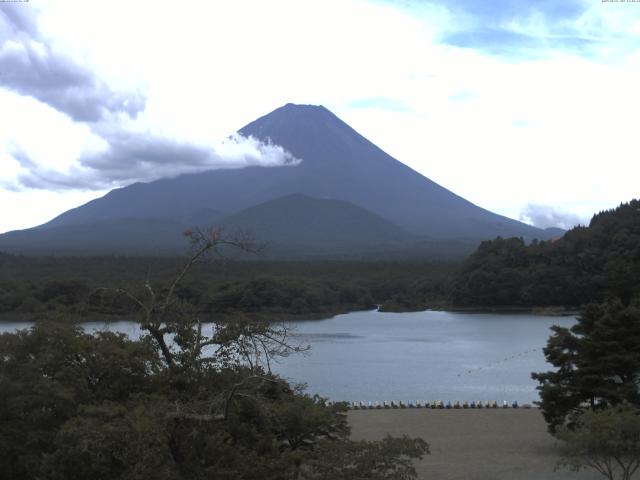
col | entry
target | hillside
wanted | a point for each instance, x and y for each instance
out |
(317, 225)
(586, 264)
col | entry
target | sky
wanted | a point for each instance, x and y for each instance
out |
(528, 108)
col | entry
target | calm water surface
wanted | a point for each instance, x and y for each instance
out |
(422, 355)
(412, 356)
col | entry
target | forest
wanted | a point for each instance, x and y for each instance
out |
(587, 264)
(37, 287)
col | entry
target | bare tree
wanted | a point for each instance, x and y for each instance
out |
(177, 329)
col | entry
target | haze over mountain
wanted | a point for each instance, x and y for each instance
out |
(344, 192)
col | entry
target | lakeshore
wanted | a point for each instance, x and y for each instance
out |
(485, 444)
(75, 317)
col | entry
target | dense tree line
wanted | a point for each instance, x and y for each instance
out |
(586, 264)
(263, 295)
(81, 287)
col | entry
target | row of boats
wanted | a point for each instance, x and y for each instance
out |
(436, 404)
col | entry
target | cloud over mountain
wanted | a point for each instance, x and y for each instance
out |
(130, 151)
(133, 158)
(545, 216)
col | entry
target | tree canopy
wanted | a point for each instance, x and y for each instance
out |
(587, 264)
(37, 287)
(606, 440)
(597, 362)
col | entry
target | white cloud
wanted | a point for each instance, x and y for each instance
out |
(70, 130)
(545, 216)
(501, 131)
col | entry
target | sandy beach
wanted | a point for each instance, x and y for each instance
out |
(486, 444)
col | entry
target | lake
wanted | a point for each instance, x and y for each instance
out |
(412, 356)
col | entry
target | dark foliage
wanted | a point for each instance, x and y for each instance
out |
(586, 264)
(78, 406)
(79, 287)
(48, 375)
(180, 403)
(282, 295)
(606, 440)
(597, 362)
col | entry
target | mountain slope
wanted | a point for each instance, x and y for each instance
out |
(337, 163)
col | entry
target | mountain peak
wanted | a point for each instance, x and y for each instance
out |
(310, 132)
(302, 106)
(290, 116)
(296, 112)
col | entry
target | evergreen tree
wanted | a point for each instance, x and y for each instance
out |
(597, 362)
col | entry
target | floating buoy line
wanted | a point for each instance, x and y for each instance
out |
(498, 362)
(440, 404)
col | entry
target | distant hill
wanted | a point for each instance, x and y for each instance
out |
(337, 164)
(586, 264)
(318, 225)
